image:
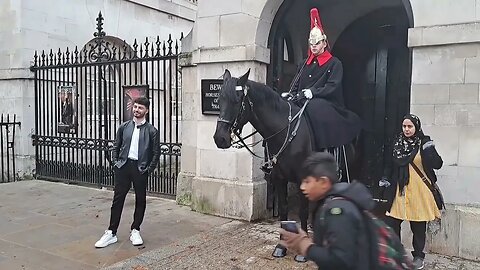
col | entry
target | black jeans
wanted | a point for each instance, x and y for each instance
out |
(123, 182)
(419, 230)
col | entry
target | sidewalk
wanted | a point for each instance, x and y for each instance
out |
(237, 245)
(50, 226)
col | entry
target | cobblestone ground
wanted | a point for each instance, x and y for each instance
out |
(237, 245)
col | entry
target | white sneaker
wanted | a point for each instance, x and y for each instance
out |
(136, 238)
(418, 263)
(107, 239)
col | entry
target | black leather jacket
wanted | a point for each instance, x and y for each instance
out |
(148, 146)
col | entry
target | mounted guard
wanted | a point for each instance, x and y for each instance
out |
(319, 80)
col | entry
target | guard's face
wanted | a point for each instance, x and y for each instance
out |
(139, 110)
(408, 128)
(319, 47)
(315, 188)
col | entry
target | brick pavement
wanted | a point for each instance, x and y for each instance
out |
(49, 226)
(237, 245)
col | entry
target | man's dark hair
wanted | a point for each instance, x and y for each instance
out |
(142, 101)
(320, 164)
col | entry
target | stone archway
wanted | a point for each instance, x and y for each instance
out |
(358, 35)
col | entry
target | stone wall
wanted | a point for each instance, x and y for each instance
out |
(445, 94)
(27, 26)
(221, 182)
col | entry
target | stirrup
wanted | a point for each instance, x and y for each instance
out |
(267, 168)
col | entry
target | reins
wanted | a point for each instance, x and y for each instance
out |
(271, 160)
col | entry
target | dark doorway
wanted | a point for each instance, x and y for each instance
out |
(377, 72)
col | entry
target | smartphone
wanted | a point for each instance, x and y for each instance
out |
(289, 225)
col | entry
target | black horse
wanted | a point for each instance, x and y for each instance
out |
(285, 131)
(243, 101)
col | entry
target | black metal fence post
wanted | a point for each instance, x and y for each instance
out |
(8, 126)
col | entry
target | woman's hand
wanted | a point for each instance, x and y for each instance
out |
(428, 144)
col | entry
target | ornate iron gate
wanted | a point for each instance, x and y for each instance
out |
(83, 95)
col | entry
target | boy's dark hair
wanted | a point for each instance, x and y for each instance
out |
(320, 164)
(142, 101)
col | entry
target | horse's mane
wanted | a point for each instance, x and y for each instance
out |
(264, 94)
(259, 92)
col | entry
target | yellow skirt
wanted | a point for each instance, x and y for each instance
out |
(417, 204)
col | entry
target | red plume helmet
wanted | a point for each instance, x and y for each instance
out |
(316, 29)
(316, 36)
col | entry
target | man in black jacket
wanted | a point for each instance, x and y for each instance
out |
(136, 154)
(340, 239)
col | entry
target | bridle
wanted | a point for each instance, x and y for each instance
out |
(270, 160)
(235, 122)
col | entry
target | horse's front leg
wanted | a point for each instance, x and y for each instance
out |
(303, 211)
(281, 193)
(282, 200)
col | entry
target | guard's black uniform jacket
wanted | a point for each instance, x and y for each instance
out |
(332, 124)
(340, 234)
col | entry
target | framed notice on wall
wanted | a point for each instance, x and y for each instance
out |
(130, 93)
(210, 94)
(67, 100)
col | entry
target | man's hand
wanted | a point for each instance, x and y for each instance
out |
(299, 242)
(307, 93)
(285, 94)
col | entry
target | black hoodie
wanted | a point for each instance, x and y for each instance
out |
(340, 236)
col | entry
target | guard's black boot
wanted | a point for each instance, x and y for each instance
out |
(279, 251)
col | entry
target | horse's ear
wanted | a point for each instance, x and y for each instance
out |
(243, 80)
(227, 75)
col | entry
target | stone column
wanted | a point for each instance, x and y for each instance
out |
(17, 86)
(445, 95)
(228, 182)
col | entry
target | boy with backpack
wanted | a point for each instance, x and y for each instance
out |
(346, 236)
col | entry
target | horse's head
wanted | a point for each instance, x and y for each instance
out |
(233, 108)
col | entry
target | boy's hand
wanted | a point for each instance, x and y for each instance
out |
(299, 242)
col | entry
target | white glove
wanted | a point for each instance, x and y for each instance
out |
(285, 94)
(384, 182)
(307, 93)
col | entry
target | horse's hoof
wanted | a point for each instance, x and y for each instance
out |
(279, 251)
(300, 259)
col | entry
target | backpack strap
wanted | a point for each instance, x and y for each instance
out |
(326, 206)
(363, 216)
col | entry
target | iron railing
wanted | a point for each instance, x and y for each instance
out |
(8, 125)
(83, 95)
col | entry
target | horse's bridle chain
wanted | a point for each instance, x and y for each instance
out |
(271, 161)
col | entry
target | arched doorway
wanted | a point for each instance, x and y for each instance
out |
(370, 38)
